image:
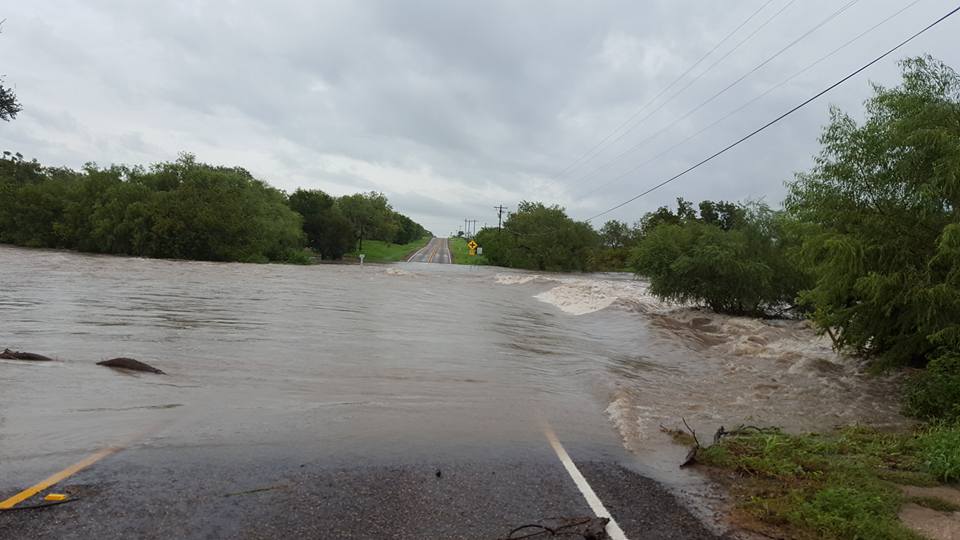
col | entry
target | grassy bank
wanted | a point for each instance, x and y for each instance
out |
(377, 251)
(847, 484)
(461, 253)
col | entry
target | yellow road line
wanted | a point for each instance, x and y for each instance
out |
(57, 478)
(433, 253)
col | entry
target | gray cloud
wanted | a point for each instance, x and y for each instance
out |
(448, 107)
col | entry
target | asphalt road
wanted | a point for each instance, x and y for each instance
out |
(436, 251)
(276, 492)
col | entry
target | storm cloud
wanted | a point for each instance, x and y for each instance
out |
(449, 107)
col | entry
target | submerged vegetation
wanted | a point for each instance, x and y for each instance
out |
(732, 258)
(539, 237)
(874, 232)
(867, 244)
(867, 247)
(185, 210)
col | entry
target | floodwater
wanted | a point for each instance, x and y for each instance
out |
(403, 361)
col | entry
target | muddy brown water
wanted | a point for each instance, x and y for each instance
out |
(401, 361)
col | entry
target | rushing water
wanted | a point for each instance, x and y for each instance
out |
(399, 361)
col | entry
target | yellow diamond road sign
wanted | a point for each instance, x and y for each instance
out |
(472, 245)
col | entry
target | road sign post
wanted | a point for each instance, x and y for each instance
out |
(473, 247)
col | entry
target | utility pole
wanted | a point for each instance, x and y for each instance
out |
(500, 210)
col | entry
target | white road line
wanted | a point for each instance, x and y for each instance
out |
(613, 530)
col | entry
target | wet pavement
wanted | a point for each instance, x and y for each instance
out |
(437, 250)
(276, 493)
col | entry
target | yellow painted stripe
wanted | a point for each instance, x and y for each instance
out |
(57, 478)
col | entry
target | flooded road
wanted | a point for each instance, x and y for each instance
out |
(408, 363)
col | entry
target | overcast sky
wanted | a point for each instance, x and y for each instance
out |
(449, 107)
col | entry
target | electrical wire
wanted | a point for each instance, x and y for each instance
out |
(722, 91)
(748, 103)
(779, 118)
(589, 154)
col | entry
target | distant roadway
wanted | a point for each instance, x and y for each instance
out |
(436, 251)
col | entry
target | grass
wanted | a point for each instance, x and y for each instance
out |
(837, 485)
(461, 253)
(377, 251)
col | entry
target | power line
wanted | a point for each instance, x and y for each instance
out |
(691, 82)
(722, 91)
(499, 210)
(668, 87)
(781, 117)
(748, 103)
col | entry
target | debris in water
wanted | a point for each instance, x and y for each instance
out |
(7, 354)
(131, 364)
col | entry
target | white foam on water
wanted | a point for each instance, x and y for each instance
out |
(721, 370)
(580, 296)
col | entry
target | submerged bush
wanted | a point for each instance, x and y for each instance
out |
(935, 392)
(883, 207)
(740, 267)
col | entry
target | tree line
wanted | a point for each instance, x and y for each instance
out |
(186, 210)
(866, 244)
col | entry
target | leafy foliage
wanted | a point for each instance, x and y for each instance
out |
(540, 237)
(183, 210)
(616, 240)
(9, 106)
(328, 231)
(733, 258)
(935, 391)
(883, 204)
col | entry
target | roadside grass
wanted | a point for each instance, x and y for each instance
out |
(461, 253)
(377, 251)
(837, 485)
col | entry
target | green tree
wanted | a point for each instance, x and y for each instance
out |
(183, 209)
(616, 240)
(369, 214)
(615, 234)
(408, 230)
(327, 230)
(883, 208)
(9, 106)
(742, 270)
(540, 237)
